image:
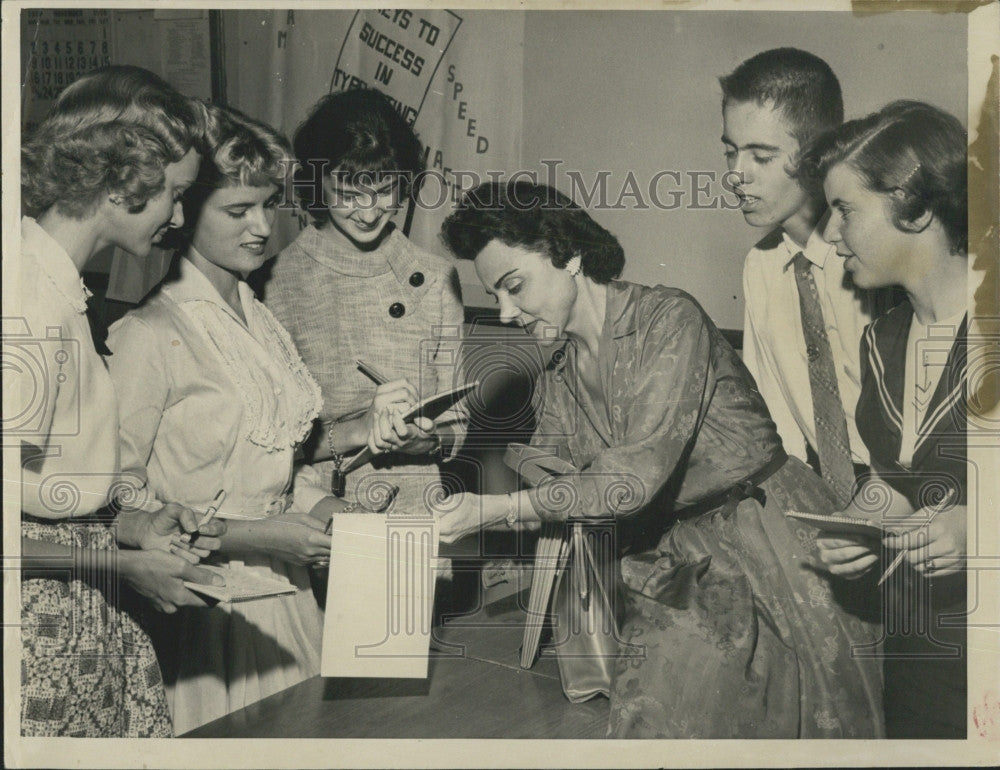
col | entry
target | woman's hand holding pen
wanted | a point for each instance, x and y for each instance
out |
(933, 540)
(414, 438)
(387, 431)
(164, 528)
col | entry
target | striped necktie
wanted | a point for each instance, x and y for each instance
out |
(833, 445)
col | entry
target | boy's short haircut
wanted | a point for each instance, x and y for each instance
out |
(799, 84)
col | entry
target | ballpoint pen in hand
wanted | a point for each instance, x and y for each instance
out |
(902, 553)
(220, 497)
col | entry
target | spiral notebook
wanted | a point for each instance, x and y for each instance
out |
(242, 585)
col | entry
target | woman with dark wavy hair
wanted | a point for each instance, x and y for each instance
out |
(352, 286)
(896, 184)
(731, 634)
(107, 166)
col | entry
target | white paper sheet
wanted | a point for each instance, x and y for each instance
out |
(380, 596)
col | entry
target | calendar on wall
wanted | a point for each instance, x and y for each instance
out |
(57, 46)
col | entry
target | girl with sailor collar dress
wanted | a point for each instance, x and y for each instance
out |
(896, 183)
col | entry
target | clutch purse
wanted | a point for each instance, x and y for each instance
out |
(574, 575)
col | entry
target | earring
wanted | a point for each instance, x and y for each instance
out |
(116, 199)
(573, 266)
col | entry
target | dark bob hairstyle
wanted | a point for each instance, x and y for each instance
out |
(360, 137)
(911, 151)
(533, 217)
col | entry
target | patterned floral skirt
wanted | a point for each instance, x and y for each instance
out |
(741, 636)
(87, 669)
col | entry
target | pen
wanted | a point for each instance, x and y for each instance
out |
(220, 496)
(371, 372)
(899, 556)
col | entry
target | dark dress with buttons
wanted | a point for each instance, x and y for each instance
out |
(925, 639)
(397, 307)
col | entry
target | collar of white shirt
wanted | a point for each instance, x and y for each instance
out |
(52, 258)
(193, 285)
(816, 250)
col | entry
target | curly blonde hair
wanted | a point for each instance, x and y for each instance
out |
(238, 151)
(112, 131)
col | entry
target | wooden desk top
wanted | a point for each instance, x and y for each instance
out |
(475, 689)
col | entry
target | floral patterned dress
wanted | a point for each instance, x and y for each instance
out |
(737, 634)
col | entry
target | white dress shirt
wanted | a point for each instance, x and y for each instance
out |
(774, 347)
(58, 397)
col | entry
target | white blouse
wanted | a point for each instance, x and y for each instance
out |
(57, 396)
(208, 403)
(774, 348)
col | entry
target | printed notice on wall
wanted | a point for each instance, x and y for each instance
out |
(185, 59)
(396, 51)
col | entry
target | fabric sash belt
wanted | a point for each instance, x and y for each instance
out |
(745, 488)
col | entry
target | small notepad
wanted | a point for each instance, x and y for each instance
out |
(431, 407)
(242, 585)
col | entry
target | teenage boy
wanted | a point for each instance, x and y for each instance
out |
(804, 319)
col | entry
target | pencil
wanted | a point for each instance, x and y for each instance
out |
(902, 553)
